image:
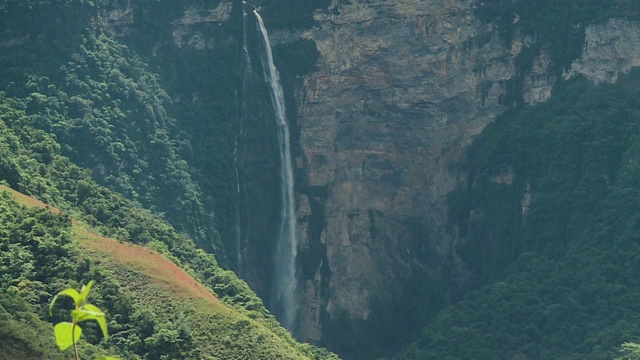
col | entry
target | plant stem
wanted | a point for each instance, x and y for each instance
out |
(73, 337)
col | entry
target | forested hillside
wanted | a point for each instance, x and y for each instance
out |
(86, 126)
(550, 221)
(103, 106)
(155, 310)
(548, 213)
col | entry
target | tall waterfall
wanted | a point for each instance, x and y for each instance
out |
(283, 297)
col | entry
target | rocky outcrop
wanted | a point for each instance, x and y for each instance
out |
(118, 21)
(539, 81)
(610, 49)
(183, 34)
(188, 29)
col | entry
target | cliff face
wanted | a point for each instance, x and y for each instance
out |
(400, 90)
(609, 49)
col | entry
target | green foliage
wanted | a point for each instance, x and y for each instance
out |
(36, 251)
(40, 255)
(107, 112)
(69, 187)
(629, 351)
(558, 270)
(143, 323)
(88, 127)
(67, 334)
(201, 85)
(22, 334)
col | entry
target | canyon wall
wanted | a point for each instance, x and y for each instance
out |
(400, 90)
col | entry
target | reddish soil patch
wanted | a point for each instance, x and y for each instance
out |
(150, 263)
(28, 200)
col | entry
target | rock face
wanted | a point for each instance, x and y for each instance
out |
(187, 30)
(400, 90)
(540, 80)
(182, 28)
(609, 49)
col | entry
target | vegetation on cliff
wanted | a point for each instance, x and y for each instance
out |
(104, 108)
(546, 212)
(549, 223)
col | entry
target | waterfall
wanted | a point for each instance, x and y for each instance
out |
(283, 297)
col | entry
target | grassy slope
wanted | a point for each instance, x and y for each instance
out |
(156, 283)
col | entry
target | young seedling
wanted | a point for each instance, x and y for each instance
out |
(68, 333)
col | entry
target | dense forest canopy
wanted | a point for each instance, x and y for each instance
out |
(560, 275)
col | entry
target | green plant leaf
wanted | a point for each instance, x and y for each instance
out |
(108, 358)
(102, 321)
(64, 332)
(72, 293)
(84, 292)
(83, 314)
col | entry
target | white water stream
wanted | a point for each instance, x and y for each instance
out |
(283, 297)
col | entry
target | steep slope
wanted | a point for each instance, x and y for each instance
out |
(107, 110)
(143, 96)
(155, 308)
(400, 91)
(557, 182)
(31, 161)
